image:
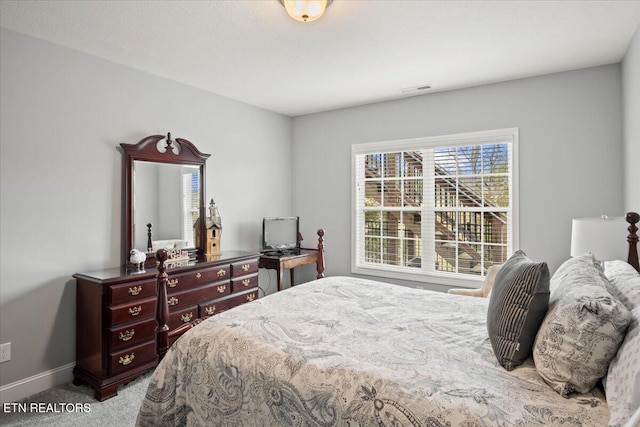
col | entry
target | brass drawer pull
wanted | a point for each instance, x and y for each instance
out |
(221, 289)
(173, 283)
(246, 282)
(135, 290)
(126, 359)
(186, 318)
(245, 267)
(251, 297)
(221, 273)
(173, 301)
(198, 275)
(134, 311)
(210, 310)
(126, 335)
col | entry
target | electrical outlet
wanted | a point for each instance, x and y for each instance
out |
(5, 352)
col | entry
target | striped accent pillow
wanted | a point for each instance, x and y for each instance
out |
(518, 303)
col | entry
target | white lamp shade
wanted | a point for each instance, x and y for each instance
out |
(603, 237)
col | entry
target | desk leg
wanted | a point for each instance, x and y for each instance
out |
(291, 275)
(279, 278)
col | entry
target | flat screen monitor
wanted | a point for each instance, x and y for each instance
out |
(280, 234)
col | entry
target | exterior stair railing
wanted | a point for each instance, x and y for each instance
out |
(447, 228)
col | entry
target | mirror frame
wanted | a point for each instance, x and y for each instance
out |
(146, 150)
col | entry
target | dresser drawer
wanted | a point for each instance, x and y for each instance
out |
(180, 300)
(209, 308)
(132, 357)
(120, 294)
(180, 282)
(243, 283)
(131, 334)
(183, 316)
(132, 312)
(241, 299)
(212, 308)
(243, 268)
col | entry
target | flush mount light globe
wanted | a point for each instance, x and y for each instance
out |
(305, 10)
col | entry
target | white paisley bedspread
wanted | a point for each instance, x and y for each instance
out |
(351, 352)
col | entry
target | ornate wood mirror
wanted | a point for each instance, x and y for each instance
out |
(164, 196)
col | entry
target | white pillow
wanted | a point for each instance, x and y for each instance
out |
(634, 421)
(623, 379)
(625, 282)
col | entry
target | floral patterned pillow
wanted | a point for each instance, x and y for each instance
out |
(583, 328)
(623, 380)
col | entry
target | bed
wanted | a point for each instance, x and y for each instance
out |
(344, 351)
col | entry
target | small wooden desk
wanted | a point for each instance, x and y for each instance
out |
(282, 262)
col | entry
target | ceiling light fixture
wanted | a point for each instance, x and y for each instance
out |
(305, 10)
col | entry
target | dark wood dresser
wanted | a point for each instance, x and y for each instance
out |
(116, 313)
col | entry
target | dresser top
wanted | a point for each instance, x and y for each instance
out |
(118, 274)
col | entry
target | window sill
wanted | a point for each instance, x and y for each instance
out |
(446, 279)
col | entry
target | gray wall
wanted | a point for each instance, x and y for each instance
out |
(631, 102)
(571, 149)
(63, 115)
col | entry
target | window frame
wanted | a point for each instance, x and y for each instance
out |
(510, 135)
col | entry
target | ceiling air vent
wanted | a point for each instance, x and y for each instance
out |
(415, 90)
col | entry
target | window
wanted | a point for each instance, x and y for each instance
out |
(437, 209)
(190, 202)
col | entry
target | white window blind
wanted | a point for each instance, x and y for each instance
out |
(190, 204)
(439, 209)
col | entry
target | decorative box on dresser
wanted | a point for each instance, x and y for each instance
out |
(116, 322)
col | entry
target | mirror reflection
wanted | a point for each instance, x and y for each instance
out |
(166, 196)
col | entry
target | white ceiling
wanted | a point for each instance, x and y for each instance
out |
(361, 51)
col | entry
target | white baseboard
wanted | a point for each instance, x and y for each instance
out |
(36, 383)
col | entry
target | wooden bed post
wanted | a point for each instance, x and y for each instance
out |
(162, 307)
(632, 219)
(320, 262)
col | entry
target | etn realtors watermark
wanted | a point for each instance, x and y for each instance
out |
(41, 407)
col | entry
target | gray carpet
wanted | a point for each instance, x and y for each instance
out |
(120, 411)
